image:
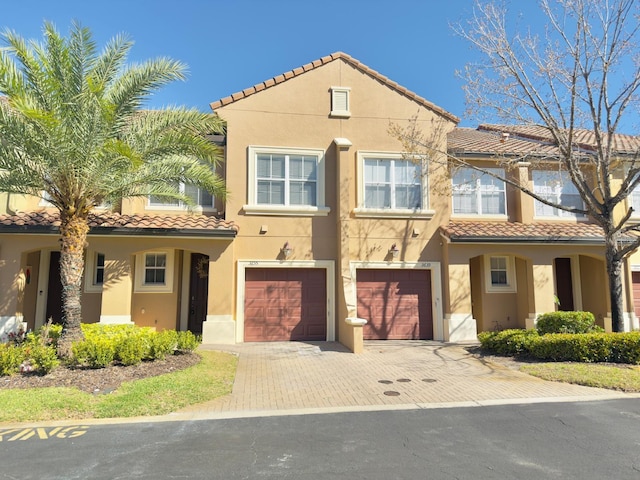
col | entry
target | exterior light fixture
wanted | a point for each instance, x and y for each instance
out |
(394, 251)
(286, 250)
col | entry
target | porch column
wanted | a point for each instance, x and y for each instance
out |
(349, 328)
(219, 326)
(12, 282)
(543, 292)
(117, 289)
(459, 324)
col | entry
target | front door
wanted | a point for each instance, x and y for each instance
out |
(198, 292)
(564, 284)
(54, 292)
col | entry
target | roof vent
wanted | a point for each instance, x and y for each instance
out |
(505, 137)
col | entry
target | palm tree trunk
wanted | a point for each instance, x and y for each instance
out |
(73, 231)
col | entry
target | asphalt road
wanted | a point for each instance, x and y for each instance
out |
(587, 440)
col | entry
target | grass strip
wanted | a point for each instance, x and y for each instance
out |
(211, 378)
(625, 378)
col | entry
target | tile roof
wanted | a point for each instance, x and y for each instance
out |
(514, 232)
(472, 141)
(115, 223)
(323, 61)
(584, 138)
(522, 140)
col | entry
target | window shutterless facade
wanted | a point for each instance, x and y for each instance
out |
(390, 185)
(286, 181)
(477, 193)
(154, 271)
(556, 187)
(200, 197)
(95, 270)
(500, 275)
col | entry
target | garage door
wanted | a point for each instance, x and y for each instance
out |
(396, 303)
(636, 292)
(285, 304)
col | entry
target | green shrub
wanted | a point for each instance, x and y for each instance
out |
(567, 322)
(511, 342)
(162, 344)
(625, 347)
(131, 350)
(11, 357)
(187, 341)
(95, 352)
(42, 358)
(565, 347)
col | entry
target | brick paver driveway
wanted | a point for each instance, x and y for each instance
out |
(324, 375)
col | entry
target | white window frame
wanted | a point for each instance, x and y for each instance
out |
(558, 214)
(478, 191)
(341, 109)
(141, 286)
(362, 211)
(181, 205)
(253, 208)
(510, 286)
(633, 201)
(90, 282)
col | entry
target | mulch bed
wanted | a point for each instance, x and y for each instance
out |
(100, 380)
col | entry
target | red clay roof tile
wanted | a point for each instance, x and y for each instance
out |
(540, 232)
(525, 140)
(189, 224)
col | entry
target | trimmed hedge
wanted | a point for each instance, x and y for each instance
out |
(511, 342)
(102, 346)
(567, 322)
(565, 347)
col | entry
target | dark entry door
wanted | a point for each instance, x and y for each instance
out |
(198, 292)
(564, 284)
(54, 292)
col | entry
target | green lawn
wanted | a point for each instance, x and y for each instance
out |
(625, 378)
(211, 378)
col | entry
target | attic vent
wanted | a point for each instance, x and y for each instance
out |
(340, 102)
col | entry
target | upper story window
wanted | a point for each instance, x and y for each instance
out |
(286, 181)
(556, 187)
(477, 193)
(390, 185)
(634, 202)
(340, 102)
(201, 198)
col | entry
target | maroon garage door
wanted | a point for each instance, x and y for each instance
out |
(635, 279)
(285, 304)
(396, 303)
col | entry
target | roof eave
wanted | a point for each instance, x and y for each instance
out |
(120, 231)
(527, 240)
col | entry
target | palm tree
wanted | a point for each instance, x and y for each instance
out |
(72, 131)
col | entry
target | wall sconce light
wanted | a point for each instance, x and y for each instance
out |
(394, 251)
(286, 250)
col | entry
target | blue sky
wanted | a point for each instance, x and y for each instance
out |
(230, 45)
